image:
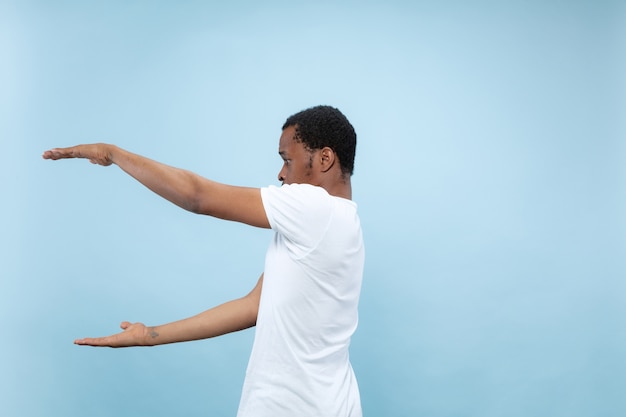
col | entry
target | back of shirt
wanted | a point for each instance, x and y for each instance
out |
(299, 364)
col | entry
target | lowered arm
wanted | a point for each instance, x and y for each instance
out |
(226, 318)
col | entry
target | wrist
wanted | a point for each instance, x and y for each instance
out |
(151, 336)
(112, 153)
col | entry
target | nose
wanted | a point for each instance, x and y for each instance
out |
(281, 175)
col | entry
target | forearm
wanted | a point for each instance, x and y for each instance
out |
(179, 186)
(229, 317)
(226, 318)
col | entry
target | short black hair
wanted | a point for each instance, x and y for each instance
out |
(321, 126)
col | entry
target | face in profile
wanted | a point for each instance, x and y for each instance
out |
(297, 160)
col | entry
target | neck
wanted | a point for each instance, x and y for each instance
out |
(340, 188)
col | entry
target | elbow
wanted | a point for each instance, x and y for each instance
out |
(192, 205)
(251, 309)
(191, 194)
(193, 200)
(253, 313)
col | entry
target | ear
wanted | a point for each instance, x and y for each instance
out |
(327, 158)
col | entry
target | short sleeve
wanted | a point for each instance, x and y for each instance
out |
(300, 213)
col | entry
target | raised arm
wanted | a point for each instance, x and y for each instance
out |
(183, 188)
(226, 318)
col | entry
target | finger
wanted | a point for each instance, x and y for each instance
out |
(59, 153)
(125, 325)
(93, 341)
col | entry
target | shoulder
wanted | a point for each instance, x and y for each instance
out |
(302, 190)
(296, 206)
(296, 196)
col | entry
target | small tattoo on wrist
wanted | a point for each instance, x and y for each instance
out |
(153, 333)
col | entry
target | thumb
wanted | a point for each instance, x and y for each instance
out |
(125, 325)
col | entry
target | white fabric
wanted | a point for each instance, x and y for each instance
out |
(299, 364)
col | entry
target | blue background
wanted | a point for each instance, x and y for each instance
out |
(490, 178)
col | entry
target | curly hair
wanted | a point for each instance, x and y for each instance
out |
(325, 126)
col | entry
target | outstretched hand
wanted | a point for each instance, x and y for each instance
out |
(98, 153)
(134, 334)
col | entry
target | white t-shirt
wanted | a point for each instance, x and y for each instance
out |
(299, 366)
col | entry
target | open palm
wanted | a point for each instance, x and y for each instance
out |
(133, 334)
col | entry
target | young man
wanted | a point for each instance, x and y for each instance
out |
(305, 303)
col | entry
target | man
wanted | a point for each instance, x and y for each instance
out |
(305, 303)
